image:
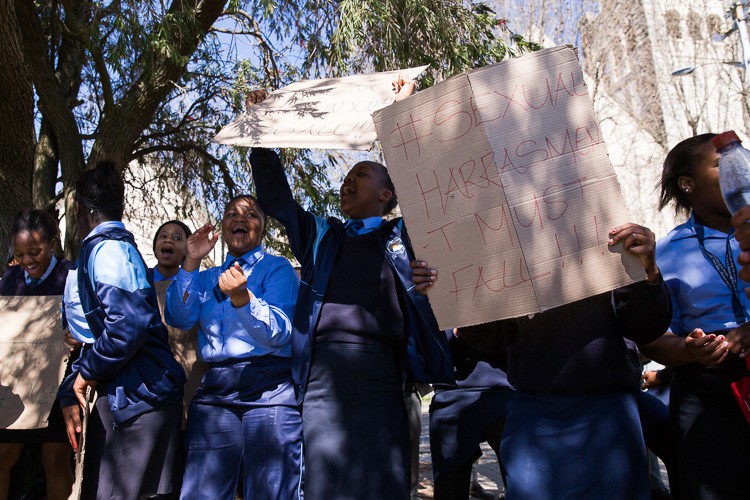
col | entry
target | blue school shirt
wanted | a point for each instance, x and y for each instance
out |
(261, 327)
(367, 225)
(700, 298)
(159, 276)
(106, 267)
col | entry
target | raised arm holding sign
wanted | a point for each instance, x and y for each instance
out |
(506, 187)
(330, 113)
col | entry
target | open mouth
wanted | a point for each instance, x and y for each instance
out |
(33, 270)
(239, 230)
(167, 252)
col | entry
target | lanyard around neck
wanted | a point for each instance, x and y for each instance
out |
(728, 274)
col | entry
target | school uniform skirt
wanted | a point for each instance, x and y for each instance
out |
(141, 456)
(355, 427)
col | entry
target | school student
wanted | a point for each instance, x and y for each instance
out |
(244, 417)
(361, 321)
(35, 236)
(133, 441)
(170, 248)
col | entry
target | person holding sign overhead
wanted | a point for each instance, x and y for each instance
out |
(709, 335)
(35, 235)
(133, 436)
(244, 416)
(569, 434)
(361, 321)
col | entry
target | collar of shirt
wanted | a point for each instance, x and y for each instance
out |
(250, 259)
(104, 226)
(28, 279)
(687, 230)
(160, 277)
(369, 224)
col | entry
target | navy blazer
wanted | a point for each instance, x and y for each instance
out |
(131, 353)
(315, 242)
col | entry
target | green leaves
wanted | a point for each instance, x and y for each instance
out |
(127, 45)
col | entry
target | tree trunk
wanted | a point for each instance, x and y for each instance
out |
(54, 105)
(17, 136)
(122, 124)
(45, 168)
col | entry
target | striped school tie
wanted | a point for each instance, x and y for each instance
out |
(32, 282)
(221, 296)
(354, 226)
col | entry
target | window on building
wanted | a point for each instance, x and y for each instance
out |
(714, 24)
(695, 25)
(672, 21)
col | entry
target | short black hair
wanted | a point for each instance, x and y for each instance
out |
(102, 191)
(184, 227)
(680, 161)
(36, 220)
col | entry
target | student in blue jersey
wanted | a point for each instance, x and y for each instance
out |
(244, 417)
(361, 321)
(34, 236)
(133, 439)
(170, 248)
(709, 335)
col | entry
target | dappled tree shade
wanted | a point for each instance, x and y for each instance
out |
(149, 81)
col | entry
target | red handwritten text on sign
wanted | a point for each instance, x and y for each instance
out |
(506, 188)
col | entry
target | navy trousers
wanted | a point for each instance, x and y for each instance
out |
(460, 420)
(264, 443)
(244, 419)
(712, 467)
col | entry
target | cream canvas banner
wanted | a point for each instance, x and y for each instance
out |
(330, 113)
(506, 188)
(33, 356)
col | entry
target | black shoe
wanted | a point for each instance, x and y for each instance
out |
(477, 491)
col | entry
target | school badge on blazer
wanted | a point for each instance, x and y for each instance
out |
(395, 246)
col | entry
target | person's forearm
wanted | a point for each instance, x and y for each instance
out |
(669, 350)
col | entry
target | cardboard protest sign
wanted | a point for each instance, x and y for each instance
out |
(506, 188)
(330, 113)
(183, 344)
(33, 357)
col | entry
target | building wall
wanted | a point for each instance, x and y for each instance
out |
(629, 51)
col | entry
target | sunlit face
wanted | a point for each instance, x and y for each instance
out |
(242, 226)
(32, 252)
(363, 193)
(706, 192)
(171, 246)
